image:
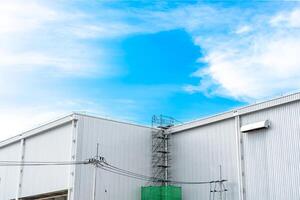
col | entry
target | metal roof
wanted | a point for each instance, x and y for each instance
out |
(237, 112)
(109, 119)
(56, 123)
(40, 129)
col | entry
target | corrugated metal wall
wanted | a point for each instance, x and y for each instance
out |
(197, 154)
(9, 175)
(123, 145)
(271, 161)
(272, 156)
(52, 145)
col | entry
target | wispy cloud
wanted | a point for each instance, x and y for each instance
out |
(38, 35)
(42, 35)
(19, 118)
(16, 121)
(18, 16)
(248, 55)
(260, 64)
(243, 29)
(287, 19)
(220, 32)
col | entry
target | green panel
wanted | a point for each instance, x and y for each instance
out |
(161, 193)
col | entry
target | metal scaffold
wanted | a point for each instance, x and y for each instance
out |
(160, 148)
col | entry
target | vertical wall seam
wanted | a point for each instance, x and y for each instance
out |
(73, 155)
(21, 168)
(240, 158)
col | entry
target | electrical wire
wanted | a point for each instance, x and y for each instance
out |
(130, 172)
(124, 174)
(190, 182)
(117, 170)
(40, 163)
(104, 166)
(10, 161)
(196, 182)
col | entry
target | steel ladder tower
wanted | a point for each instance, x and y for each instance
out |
(160, 149)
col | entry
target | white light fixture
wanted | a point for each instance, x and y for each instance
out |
(255, 126)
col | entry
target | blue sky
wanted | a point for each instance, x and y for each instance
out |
(131, 59)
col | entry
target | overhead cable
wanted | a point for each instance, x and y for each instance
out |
(108, 167)
(40, 163)
(102, 164)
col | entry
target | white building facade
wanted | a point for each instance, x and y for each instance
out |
(75, 138)
(258, 148)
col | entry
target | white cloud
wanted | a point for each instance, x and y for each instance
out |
(243, 29)
(103, 30)
(118, 23)
(35, 35)
(39, 35)
(246, 59)
(253, 67)
(72, 62)
(262, 63)
(15, 121)
(287, 19)
(16, 16)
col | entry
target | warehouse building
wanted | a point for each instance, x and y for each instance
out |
(250, 153)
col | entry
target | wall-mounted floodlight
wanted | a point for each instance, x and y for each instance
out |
(255, 126)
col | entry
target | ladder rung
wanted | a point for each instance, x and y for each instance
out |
(163, 151)
(163, 166)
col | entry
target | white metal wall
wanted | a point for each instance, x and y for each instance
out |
(9, 175)
(52, 145)
(272, 156)
(123, 145)
(197, 154)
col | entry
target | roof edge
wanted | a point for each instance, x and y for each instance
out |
(178, 128)
(237, 112)
(58, 122)
(109, 119)
(39, 129)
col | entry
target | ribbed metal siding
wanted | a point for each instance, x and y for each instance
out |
(123, 145)
(272, 156)
(270, 103)
(240, 111)
(197, 154)
(53, 145)
(9, 175)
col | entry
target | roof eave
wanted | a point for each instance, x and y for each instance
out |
(237, 112)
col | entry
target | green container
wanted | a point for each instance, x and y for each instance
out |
(161, 193)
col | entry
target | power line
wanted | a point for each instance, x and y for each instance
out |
(152, 179)
(102, 164)
(114, 169)
(10, 161)
(124, 174)
(197, 182)
(130, 172)
(40, 163)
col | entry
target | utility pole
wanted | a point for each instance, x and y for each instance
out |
(95, 174)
